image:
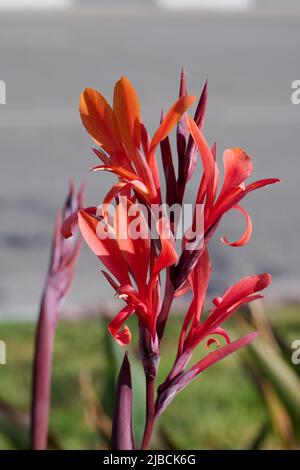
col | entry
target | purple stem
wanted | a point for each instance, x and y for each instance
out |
(41, 387)
(150, 412)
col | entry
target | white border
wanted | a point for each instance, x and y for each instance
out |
(208, 4)
(36, 4)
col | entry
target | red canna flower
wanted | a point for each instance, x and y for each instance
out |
(133, 262)
(237, 169)
(194, 330)
(125, 146)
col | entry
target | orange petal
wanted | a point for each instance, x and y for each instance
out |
(128, 116)
(170, 120)
(98, 118)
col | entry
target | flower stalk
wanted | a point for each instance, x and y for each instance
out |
(60, 275)
(134, 265)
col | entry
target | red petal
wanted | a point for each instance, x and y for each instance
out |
(237, 168)
(200, 279)
(168, 255)
(182, 380)
(248, 231)
(260, 184)
(207, 159)
(245, 287)
(122, 337)
(106, 249)
(133, 240)
(220, 354)
(114, 191)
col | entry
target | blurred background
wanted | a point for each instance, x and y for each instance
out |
(249, 55)
(249, 50)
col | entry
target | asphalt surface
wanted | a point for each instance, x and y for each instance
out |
(47, 59)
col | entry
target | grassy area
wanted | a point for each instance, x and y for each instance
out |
(221, 409)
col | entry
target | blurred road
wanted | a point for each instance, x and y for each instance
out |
(46, 60)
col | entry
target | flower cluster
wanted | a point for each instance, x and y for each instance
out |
(134, 265)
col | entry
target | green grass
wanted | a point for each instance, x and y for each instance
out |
(220, 409)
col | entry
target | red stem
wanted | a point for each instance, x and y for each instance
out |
(41, 383)
(150, 412)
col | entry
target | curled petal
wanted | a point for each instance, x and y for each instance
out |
(247, 233)
(211, 341)
(184, 379)
(123, 336)
(221, 353)
(220, 332)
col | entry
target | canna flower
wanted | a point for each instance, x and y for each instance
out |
(132, 261)
(237, 169)
(134, 264)
(125, 147)
(194, 330)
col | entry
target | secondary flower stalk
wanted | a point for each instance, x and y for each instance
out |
(60, 275)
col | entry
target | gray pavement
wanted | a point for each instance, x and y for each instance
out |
(46, 60)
